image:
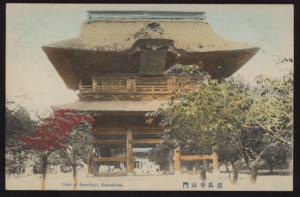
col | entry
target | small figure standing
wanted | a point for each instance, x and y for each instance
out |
(202, 173)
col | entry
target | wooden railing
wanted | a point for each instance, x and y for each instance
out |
(133, 86)
(137, 89)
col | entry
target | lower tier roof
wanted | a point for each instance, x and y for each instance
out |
(114, 106)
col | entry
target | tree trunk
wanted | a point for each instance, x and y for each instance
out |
(74, 176)
(253, 174)
(227, 170)
(44, 171)
(203, 174)
(271, 167)
(255, 165)
(74, 169)
(235, 170)
(170, 161)
(206, 165)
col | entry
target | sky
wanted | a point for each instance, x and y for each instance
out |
(32, 81)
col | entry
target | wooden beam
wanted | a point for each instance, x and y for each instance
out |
(109, 133)
(129, 152)
(122, 131)
(148, 131)
(100, 174)
(109, 141)
(195, 157)
(110, 158)
(147, 141)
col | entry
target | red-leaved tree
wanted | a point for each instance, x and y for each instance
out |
(52, 134)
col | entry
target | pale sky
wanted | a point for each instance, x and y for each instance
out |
(32, 81)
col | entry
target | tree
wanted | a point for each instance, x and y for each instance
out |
(78, 146)
(211, 116)
(271, 117)
(272, 109)
(229, 153)
(162, 155)
(243, 124)
(277, 156)
(17, 122)
(52, 134)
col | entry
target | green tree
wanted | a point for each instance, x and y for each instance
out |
(210, 117)
(272, 109)
(244, 124)
(271, 117)
(78, 148)
(278, 156)
(17, 122)
(162, 155)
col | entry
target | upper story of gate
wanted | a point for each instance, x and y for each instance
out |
(125, 54)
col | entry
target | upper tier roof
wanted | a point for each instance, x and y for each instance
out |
(112, 33)
(109, 42)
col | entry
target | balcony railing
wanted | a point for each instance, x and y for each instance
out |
(130, 86)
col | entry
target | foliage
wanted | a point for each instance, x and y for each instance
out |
(269, 123)
(189, 70)
(243, 124)
(78, 143)
(204, 117)
(184, 69)
(161, 155)
(272, 109)
(277, 157)
(53, 132)
(18, 122)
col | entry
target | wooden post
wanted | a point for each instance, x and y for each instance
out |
(177, 159)
(80, 84)
(215, 162)
(130, 84)
(90, 165)
(129, 152)
(94, 85)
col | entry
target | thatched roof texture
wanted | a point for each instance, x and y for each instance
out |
(118, 35)
(113, 44)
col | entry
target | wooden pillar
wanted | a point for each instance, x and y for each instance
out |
(173, 81)
(130, 84)
(95, 168)
(129, 152)
(80, 84)
(90, 165)
(215, 162)
(177, 164)
(94, 84)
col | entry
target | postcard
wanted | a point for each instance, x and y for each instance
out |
(149, 97)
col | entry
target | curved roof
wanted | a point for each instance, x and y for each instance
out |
(120, 35)
(109, 42)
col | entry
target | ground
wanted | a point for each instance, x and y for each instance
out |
(63, 181)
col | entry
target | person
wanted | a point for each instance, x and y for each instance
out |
(202, 173)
